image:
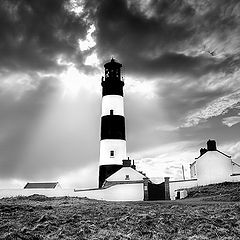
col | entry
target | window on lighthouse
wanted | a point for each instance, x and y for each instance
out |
(106, 73)
(111, 153)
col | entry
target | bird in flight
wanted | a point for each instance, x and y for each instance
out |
(212, 53)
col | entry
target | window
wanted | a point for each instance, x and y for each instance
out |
(111, 153)
(106, 73)
(117, 73)
(127, 177)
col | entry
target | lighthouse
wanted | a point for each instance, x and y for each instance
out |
(113, 137)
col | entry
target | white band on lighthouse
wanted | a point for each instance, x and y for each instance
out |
(112, 102)
(112, 151)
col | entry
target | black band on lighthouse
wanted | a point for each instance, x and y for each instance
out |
(106, 171)
(113, 127)
(112, 87)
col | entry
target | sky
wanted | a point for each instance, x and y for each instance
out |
(181, 62)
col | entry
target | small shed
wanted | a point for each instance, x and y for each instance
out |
(42, 185)
(180, 193)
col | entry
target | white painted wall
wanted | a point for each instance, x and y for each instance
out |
(124, 192)
(213, 167)
(112, 102)
(116, 145)
(173, 186)
(120, 175)
(121, 192)
(235, 178)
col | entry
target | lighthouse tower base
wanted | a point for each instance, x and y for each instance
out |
(112, 152)
(106, 171)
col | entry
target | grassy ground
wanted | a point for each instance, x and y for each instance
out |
(39, 217)
(227, 191)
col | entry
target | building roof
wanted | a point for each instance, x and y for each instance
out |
(50, 185)
(113, 64)
(215, 151)
(182, 180)
(120, 175)
(191, 164)
(211, 147)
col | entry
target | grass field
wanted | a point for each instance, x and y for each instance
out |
(227, 191)
(39, 217)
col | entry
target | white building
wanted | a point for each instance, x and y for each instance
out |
(212, 166)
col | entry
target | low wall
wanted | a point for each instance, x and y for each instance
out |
(181, 184)
(235, 178)
(122, 192)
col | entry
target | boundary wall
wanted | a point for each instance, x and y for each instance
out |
(121, 192)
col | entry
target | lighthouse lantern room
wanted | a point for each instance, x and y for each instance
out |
(113, 138)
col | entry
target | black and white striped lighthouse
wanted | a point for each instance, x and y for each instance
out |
(113, 138)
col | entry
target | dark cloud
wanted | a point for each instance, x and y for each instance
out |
(149, 38)
(133, 37)
(171, 64)
(35, 33)
(178, 98)
(155, 37)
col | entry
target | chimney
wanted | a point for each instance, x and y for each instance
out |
(202, 151)
(126, 162)
(133, 166)
(211, 145)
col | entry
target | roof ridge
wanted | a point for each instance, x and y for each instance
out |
(41, 184)
(214, 151)
(224, 154)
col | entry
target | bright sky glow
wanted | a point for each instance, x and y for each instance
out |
(17, 84)
(215, 108)
(92, 60)
(89, 42)
(76, 6)
(71, 179)
(73, 81)
(12, 184)
(230, 121)
(145, 88)
(166, 160)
